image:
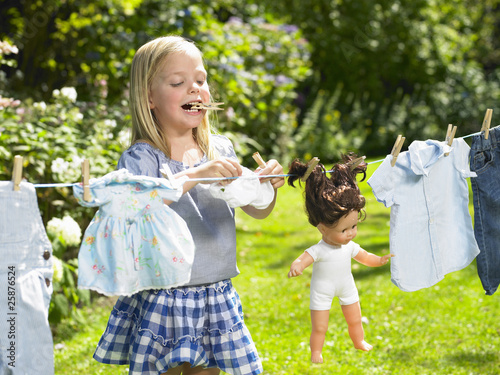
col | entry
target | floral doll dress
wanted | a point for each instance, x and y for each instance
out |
(134, 242)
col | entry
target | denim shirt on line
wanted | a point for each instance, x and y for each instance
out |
(431, 230)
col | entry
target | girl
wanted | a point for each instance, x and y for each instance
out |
(334, 205)
(197, 328)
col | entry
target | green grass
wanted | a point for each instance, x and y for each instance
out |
(451, 328)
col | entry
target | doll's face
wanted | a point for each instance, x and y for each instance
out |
(341, 233)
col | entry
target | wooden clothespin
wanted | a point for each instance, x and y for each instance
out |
(397, 149)
(310, 167)
(17, 173)
(256, 156)
(450, 135)
(354, 163)
(87, 197)
(487, 123)
(212, 106)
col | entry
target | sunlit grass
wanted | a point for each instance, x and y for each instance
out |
(451, 328)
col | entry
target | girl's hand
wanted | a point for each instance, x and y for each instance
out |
(272, 168)
(221, 167)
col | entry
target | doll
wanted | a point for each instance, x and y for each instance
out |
(334, 205)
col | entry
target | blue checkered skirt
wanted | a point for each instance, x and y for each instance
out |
(153, 331)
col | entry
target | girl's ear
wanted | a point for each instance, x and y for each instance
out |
(150, 101)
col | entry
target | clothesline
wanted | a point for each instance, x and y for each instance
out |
(221, 178)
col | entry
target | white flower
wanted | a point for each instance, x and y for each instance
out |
(59, 166)
(67, 230)
(67, 171)
(57, 266)
(110, 123)
(71, 231)
(70, 93)
(40, 105)
(54, 227)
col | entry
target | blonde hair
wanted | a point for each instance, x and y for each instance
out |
(146, 64)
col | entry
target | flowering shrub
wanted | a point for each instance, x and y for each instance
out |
(65, 230)
(65, 234)
(54, 137)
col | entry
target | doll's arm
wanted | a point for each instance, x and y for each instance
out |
(300, 264)
(372, 260)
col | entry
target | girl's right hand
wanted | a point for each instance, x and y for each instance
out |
(218, 168)
(221, 167)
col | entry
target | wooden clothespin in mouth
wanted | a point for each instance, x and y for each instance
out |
(450, 134)
(486, 123)
(212, 106)
(355, 162)
(396, 149)
(310, 167)
(256, 156)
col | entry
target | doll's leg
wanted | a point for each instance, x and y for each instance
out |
(319, 322)
(352, 314)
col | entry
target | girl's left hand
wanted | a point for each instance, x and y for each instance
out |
(272, 168)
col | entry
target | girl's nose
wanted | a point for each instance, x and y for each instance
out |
(194, 88)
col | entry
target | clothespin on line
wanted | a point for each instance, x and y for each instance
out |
(85, 180)
(354, 163)
(17, 173)
(450, 135)
(310, 167)
(396, 149)
(256, 156)
(487, 123)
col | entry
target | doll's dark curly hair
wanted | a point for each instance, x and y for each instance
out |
(328, 199)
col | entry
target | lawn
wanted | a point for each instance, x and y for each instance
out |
(451, 328)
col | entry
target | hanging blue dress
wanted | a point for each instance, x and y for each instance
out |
(135, 241)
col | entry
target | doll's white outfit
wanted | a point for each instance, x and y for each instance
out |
(245, 190)
(331, 276)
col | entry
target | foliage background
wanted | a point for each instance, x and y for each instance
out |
(299, 79)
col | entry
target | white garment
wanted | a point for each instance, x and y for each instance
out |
(245, 190)
(331, 276)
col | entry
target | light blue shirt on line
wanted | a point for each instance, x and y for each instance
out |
(431, 230)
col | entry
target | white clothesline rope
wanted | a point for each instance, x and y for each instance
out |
(221, 178)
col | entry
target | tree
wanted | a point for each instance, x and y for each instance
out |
(402, 66)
